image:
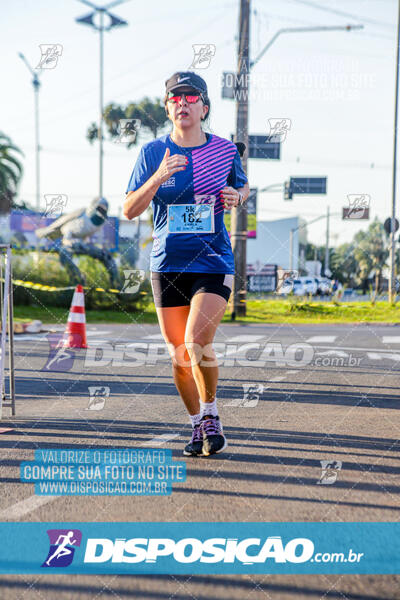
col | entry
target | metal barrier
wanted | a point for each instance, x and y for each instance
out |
(7, 330)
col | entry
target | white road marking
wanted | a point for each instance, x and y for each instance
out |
(322, 338)
(333, 353)
(391, 339)
(292, 372)
(22, 508)
(244, 338)
(382, 356)
(39, 337)
(161, 439)
(89, 333)
(276, 379)
(156, 336)
(356, 348)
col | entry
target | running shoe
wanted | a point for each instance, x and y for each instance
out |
(214, 440)
(195, 446)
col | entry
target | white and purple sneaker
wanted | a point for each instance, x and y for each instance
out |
(195, 446)
(214, 440)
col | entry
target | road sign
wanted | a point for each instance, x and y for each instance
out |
(308, 185)
(264, 146)
(388, 225)
(350, 213)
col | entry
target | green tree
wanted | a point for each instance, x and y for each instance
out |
(343, 263)
(10, 172)
(371, 253)
(150, 113)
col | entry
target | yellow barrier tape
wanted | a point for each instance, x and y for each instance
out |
(52, 288)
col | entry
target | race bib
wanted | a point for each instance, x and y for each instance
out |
(190, 218)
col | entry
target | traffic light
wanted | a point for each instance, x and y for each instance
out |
(288, 191)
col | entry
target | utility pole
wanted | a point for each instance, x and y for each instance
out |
(392, 249)
(326, 268)
(239, 214)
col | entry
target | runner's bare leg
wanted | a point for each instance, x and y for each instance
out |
(206, 312)
(173, 322)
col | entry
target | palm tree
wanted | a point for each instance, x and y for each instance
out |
(371, 253)
(151, 115)
(10, 172)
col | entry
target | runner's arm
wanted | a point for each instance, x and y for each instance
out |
(138, 200)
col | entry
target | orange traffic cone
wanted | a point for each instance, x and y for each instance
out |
(75, 333)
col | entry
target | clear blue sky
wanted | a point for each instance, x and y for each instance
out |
(337, 88)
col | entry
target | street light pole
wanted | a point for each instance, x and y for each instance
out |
(101, 28)
(100, 130)
(36, 89)
(392, 287)
(327, 217)
(239, 214)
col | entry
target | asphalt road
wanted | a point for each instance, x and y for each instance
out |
(314, 393)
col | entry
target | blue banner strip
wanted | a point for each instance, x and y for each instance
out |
(207, 548)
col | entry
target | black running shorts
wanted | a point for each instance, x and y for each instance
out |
(177, 289)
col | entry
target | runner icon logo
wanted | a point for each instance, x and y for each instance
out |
(98, 396)
(203, 54)
(62, 547)
(278, 129)
(59, 359)
(128, 129)
(133, 280)
(50, 54)
(330, 470)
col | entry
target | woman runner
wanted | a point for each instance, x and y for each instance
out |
(189, 177)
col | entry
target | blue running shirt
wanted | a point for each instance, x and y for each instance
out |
(211, 167)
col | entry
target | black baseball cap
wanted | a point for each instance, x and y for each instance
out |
(186, 79)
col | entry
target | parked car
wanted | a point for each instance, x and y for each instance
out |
(323, 286)
(299, 288)
(310, 285)
(294, 286)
